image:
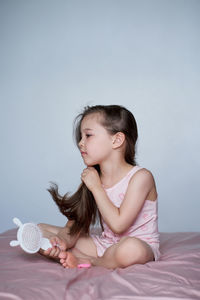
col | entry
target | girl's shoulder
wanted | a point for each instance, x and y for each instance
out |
(142, 181)
(142, 176)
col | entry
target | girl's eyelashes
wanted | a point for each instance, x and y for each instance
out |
(87, 135)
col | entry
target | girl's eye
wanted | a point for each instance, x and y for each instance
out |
(88, 135)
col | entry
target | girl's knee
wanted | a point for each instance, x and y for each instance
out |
(131, 251)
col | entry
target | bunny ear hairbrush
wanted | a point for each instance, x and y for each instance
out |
(29, 237)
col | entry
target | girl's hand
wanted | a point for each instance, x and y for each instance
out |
(51, 252)
(57, 246)
(91, 178)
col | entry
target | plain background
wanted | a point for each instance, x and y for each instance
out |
(59, 56)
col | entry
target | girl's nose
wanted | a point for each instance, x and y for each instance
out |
(80, 143)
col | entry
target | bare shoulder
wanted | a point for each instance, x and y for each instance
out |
(143, 174)
(143, 181)
(143, 177)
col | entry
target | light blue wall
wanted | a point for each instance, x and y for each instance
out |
(58, 56)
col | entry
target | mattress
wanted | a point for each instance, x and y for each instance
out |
(175, 276)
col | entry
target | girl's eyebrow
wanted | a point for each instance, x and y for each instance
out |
(87, 129)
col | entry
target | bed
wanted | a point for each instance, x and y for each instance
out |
(175, 276)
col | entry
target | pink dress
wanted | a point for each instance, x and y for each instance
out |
(145, 227)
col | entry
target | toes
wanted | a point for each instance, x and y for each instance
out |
(67, 259)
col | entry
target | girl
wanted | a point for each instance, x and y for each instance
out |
(114, 188)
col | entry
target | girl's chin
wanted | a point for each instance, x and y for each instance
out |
(89, 163)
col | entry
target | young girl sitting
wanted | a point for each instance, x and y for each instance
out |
(122, 194)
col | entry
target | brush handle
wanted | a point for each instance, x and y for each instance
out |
(46, 244)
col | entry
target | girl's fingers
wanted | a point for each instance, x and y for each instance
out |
(54, 241)
(47, 252)
(57, 245)
(53, 252)
(57, 251)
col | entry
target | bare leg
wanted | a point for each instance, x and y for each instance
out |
(49, 230)
(127, 252)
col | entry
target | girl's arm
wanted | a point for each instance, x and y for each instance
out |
(120, 219)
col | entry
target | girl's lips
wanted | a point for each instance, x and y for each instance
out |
(83, 153)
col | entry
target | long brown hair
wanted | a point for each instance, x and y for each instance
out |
(81, 206)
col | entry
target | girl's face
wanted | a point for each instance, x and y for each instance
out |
(96, 143)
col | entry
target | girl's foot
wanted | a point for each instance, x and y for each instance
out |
(69, 260)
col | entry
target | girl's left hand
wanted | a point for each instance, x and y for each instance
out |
(91, 178)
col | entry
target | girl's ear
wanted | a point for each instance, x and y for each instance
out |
(118, 139)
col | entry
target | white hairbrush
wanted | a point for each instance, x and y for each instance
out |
(29, 237)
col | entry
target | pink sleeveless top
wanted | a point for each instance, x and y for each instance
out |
(145, 227)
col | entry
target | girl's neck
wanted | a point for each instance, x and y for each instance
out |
(111, 174)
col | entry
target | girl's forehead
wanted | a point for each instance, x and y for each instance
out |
(91, 120)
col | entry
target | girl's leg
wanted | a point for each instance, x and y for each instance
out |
(86, 246)
(49, 230)
(127, 252)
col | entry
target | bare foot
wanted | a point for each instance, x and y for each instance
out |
(71, 260)
(68, 260)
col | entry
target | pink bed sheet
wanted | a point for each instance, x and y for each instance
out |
(175, 276)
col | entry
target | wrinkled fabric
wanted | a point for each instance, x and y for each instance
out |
(175, 276)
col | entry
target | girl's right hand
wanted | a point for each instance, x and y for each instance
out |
(58, 245)
(51, 252)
